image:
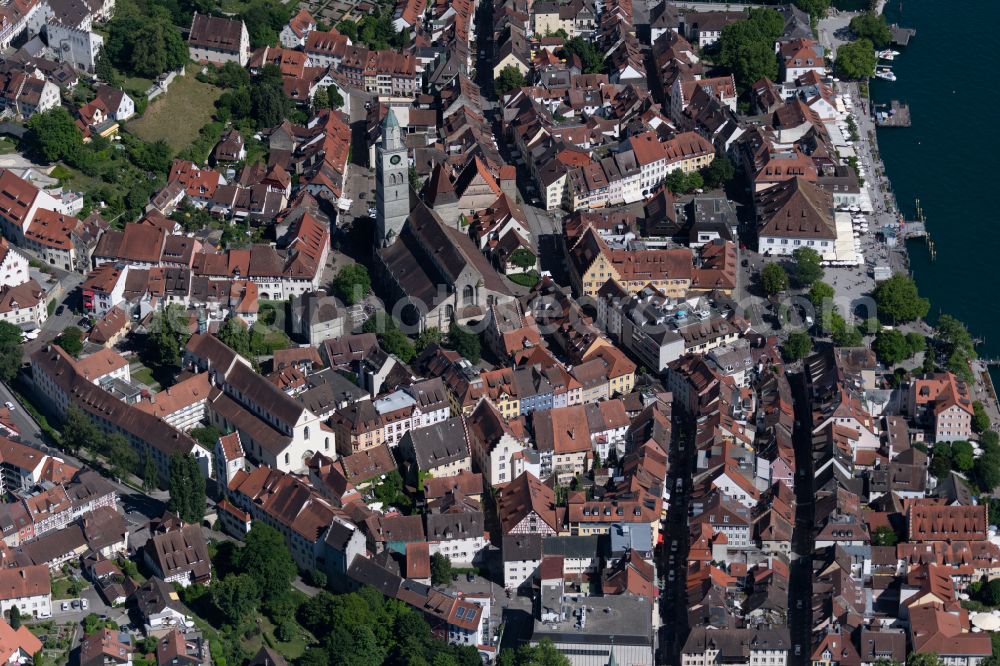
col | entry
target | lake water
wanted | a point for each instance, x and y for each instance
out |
(948, 157)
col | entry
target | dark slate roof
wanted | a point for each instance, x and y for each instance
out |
(439, 444)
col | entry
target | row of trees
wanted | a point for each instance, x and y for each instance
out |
(79, 432)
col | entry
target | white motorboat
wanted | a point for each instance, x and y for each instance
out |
(888, 54)
(886, 75)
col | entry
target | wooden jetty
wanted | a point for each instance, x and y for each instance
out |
(918, 229)
(897, 114)
(901, 36)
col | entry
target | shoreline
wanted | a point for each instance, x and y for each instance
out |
(983, 388)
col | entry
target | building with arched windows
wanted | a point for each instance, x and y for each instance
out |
(433, 274)
(274, 428)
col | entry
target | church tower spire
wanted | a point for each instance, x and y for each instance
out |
(392, 182)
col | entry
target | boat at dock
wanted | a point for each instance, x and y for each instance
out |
(887, 54)
(885, 74)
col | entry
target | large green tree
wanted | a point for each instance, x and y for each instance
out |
(855, 60)
(798, 345)
(427, 337)
(187, 488)
(264, 20)
(956, 346)
(390, 337)
(679, 182)
(150, 474)
(54, 135)
(941, 462)
(266, 559)
(821, 294)
(268, 104)
(71, 340)
(79, 431)
(144, 42)
(816, 8)
(986, 469)
(746, 47)
(884, 536)
(236, 598)
(121, 455)
(980, 419)
(352, 283)
(440, 569)
(10, 350)
(235, 334)
(543, 654)
(891, 347)
(962, 458)
(808, 268)
(719, 172)
(842, 333)
(168, 331)
(898, 301)
(464, 342)
(774, 279)
(588, 52)
(510, 78)
(872, 27)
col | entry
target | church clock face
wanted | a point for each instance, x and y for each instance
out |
(395, 159)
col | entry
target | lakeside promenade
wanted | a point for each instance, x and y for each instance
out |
(886, 212)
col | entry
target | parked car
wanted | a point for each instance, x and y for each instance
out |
(83, 604)
(471, 577)
(9, 405)
(65, 605)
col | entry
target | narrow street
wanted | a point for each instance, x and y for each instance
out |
(673, 555)
(800, 583)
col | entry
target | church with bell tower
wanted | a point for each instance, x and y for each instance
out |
(392, 183)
